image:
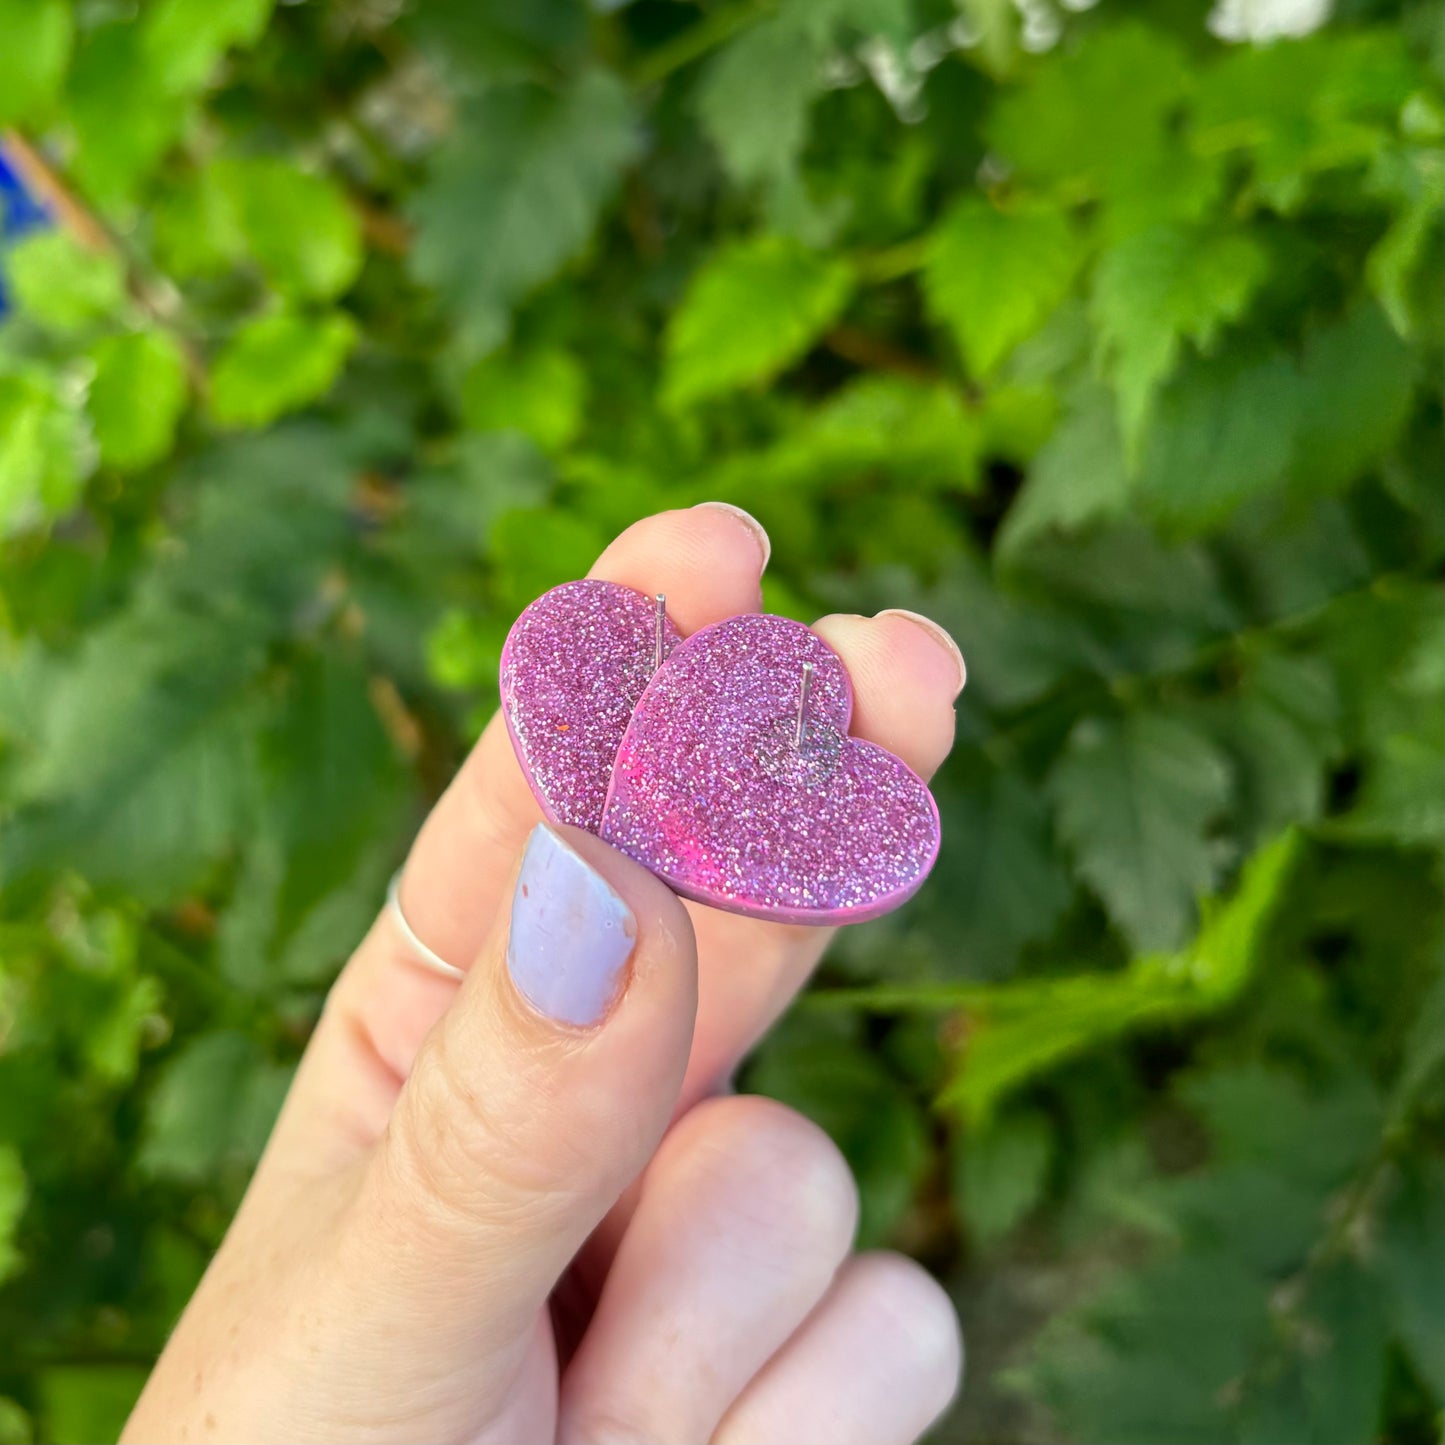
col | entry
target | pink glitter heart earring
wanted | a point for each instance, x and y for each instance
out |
(737, 784)
(573, 667)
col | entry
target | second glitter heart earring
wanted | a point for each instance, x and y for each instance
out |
(573, 667)
(721, 763)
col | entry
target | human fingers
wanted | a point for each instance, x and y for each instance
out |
(744, 1216)
(875, 1364)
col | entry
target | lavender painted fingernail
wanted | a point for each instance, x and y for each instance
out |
(571, 934)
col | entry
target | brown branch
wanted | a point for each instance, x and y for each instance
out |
(157, 295)
(864, 349)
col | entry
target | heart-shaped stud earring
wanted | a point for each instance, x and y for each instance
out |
(573, 667)
(737, 784)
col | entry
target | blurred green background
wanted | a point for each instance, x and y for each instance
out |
(1110, 336)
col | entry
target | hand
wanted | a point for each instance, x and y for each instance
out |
(454, 1157)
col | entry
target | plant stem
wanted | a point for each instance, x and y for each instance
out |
(697, 40)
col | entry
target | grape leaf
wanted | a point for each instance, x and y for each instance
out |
(137, 397)
(516, 194)
(40, 452)
(1302, 107)
(752, 311)
(820, 1068)
(298, 226)
(278, 363)
(1001, 1171)
(1077, 478)
(14, 1195)
(1083, 114)
(1224, 434)
(1135, 798)
(539, 393)
(63, 284)
(185, 38)
(1357, 382)
(213, 1106)
(1411, 1260)
(1159, 289)
(38, 37)
(1020, 1030)
(994, 276)
(81, 1403)
(754, 99)
(123, 122)
(1283, 728)
(999, 881)
(917, 431)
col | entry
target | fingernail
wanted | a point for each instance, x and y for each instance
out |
(571, 934)
(760, 535)
(939, 635)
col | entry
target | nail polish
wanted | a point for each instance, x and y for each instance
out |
(571, 935)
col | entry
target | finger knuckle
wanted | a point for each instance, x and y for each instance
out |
(793, 1175)
(458, 1149)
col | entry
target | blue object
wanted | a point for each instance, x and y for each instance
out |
(20, 212)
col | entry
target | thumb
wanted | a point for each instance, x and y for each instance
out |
(537, 1099)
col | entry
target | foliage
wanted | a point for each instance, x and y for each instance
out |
(1113, 345)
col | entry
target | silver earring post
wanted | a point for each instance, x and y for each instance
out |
(801, 730)
(659, 629)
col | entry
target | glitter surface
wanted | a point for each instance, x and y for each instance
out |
(573, 667)
(711, 793)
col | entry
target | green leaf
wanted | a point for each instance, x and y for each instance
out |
(1405, 249)
(919, 432)
(994, 276)
(752, 311)
(38, 36)
(186, 38)
(516, 194)
(1411, 1262)
(816, 1067)
(1079, 476)
(40, 453)
(331, 781)
(299, 227)
(1085, 115)
(16, 1427)
(1340, 1376)
(1357, 382)
(14, 1195)
(999, 881)
(536, 549)
(754, 100)
(1400, 799)
(1019, 1031)
(1283, 728)
(1224, 434)
(81, 1404)
(1152, 1358)
(1135, 799)
(197, 231)
(212, 1108)
(1001, 1172)
(123, 122)
(538, 393)
(1157, 290)
(137, 397)
(1303, 107)
(63, 284)
(278, 363)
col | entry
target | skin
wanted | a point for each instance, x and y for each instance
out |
(475, 1224)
